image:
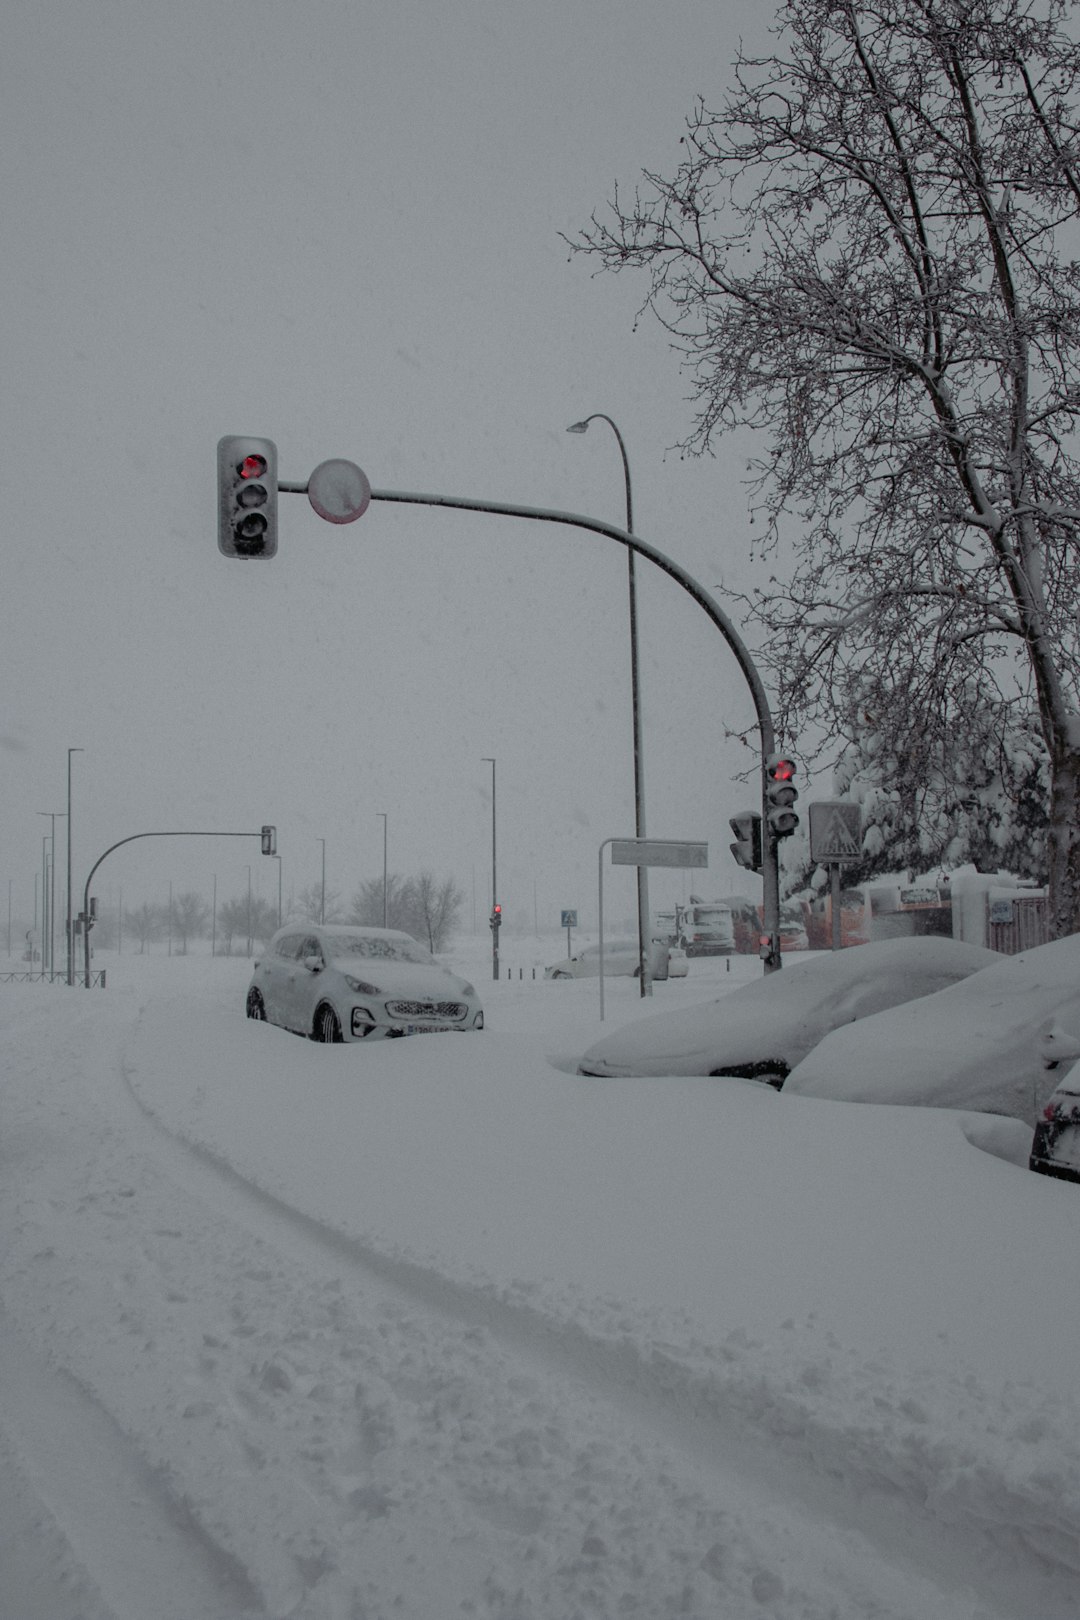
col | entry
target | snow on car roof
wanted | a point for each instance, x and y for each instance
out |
(974, 1045)
(775, 1021)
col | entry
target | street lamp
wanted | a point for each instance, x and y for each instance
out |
(322, 900)
(70, 930)
(495, 919)
(644, 929)
(385, 823)
(48, 930)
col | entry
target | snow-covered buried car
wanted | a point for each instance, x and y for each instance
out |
(984, 1044)
(344, 983)
(762, 1030)
(1055, 1148)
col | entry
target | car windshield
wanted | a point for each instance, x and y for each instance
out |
(379, 947)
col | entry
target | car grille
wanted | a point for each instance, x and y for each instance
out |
(427, 1009)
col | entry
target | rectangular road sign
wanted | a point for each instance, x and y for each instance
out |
(658, 852)
(835, 831)
(569, 919)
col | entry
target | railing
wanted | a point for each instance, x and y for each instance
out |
(28, 976)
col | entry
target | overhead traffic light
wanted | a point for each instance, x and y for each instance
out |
(269, 840)
(247, 496)
(747, 846)
(496, 917)
(780, 795)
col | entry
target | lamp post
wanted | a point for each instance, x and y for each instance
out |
(70, 929)
(495, 919)
(48, 923)
(385, 823)
(278, 858)
(644, 928)
(322, 897)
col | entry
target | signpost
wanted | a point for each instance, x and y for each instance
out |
(569, 920)
(679, 852)
(835, 840)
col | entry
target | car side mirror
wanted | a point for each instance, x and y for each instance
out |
(313, 964)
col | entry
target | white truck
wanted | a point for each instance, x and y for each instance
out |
(705, 927)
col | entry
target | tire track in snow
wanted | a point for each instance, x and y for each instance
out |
(723, 1428)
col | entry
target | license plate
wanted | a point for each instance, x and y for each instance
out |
(428, 1029)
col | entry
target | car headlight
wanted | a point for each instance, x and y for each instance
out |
(361, 986)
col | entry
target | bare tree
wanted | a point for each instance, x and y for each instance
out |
(865, 254)
(367, 903)
(437, 907)
(145, 922)
(190, 914)
(308, 904)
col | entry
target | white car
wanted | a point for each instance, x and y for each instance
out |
(345, 983)
(621, 958)
(678, 963)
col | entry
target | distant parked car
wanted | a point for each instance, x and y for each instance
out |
(678, 963)
(621, 957)
(340, 983)
(1055, 1148)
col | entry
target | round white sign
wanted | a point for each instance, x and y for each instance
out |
(339, 491)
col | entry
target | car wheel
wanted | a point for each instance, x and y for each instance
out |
(327, 1024)
(256, 1007)
(560, 975)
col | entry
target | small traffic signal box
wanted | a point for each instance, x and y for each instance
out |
(269, 840)
(747, 846)
(780, 795)
(247, 496)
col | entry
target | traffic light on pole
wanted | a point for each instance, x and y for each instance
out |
(269, 840)
(247, 496)
(780, 795)
(496, 917)
(747, 846)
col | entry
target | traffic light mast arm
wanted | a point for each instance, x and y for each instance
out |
(539, 514)
(130, 840)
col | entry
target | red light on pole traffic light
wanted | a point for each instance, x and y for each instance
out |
(252, 467)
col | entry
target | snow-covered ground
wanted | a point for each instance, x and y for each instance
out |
(439, 1328)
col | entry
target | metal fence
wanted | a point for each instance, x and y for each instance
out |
(1018, 924)
(97, 978)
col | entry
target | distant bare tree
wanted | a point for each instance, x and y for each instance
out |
(436, 909)
(308, 905)
(145, 921)
(190, 915)
(367, 903)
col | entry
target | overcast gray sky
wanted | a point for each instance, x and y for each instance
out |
(337, 224)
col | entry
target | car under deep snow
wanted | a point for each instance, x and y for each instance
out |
(762, 1030)
(346, 983)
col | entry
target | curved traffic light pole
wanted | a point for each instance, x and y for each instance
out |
(130, 840)
(770, 876)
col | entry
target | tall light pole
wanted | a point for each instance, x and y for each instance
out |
(495, 919)
(385, 824)
(644, 924)
(48, 927)
(278, 858)
(322, 897)
(70, 930)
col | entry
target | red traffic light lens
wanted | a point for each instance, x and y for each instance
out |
(782, 770)
(252, 467)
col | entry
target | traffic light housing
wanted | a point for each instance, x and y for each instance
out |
(747, 846)
(496, 918)
(269, 840)
(247, 497)
(780, 795)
